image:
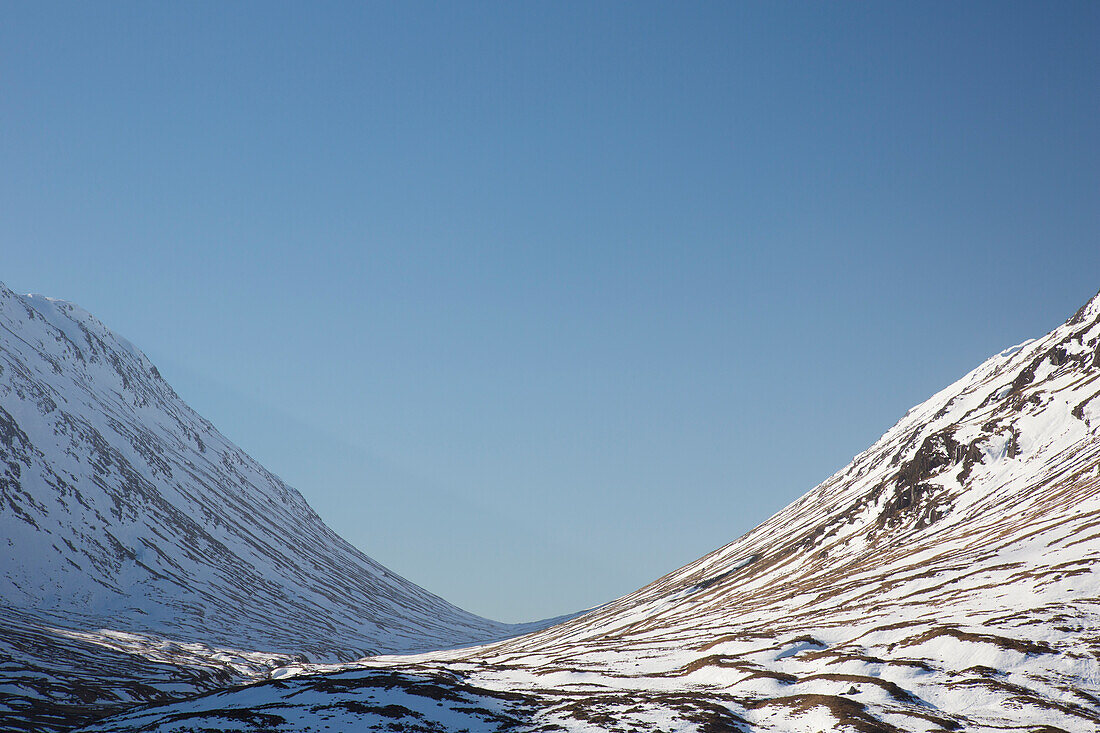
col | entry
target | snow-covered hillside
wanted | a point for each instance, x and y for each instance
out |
(127, 522)
(946, 579)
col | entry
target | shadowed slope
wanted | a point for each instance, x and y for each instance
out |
(130, 523)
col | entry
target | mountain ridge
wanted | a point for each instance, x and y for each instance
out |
(947, 578)
(123, 510)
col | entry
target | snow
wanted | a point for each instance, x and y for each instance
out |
(129, 523)
(911, 590)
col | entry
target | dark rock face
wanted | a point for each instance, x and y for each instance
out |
(936, 452)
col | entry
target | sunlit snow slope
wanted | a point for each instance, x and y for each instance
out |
(128, 523)
(946, 579)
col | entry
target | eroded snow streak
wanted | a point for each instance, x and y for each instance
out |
(130, 526)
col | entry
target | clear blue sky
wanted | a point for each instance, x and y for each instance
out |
(535, 302)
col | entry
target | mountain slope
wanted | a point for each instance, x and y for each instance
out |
(946, 579)
(122, 509)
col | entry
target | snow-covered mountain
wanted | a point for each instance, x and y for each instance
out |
(946, 579)
(128, 523)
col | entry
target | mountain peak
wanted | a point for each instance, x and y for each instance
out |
(1089, 311)
(121, 505)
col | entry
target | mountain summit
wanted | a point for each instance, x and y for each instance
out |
(123, 510)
